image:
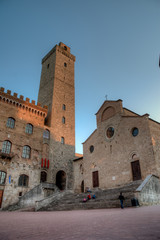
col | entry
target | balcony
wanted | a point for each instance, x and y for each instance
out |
(8, 156)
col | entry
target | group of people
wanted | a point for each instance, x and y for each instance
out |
(89, 196)
(121, 197)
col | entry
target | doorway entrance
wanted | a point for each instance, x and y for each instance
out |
(136, 171)
(82, 186)
(95, 179)
(43, 176)
(1, 196)
(61, 180)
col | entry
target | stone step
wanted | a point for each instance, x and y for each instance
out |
(104, 199)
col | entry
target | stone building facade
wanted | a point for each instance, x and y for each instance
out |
(125, 147)
(37, 142)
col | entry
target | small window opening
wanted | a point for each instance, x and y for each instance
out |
(65, 64)
(91, 148)
(62, 140)
(135, 132)
(48, 65)
(64, 107)
(63, 120)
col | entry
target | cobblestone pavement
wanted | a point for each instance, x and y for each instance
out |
(115, 224)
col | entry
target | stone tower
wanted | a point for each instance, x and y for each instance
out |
(58, 93)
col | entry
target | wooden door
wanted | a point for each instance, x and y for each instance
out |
(43, 176)
(95, 179)
(136, 171)
(1, 196)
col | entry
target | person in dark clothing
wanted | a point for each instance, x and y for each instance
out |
(121, 198)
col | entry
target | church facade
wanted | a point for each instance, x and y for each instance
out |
(37, 142)
(125, 147)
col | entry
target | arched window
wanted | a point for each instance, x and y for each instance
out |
(26, 152)
(46, 134)
(2, 177)
(23, 180)
(29, 128)
(11, 122)
(6, 148)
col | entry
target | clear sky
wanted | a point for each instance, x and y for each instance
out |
(116, 44)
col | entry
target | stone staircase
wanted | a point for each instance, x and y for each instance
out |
(67, 200)
(27, 201)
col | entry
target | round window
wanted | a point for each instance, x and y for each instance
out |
(91, 148)
(110, 132)
(135, 132)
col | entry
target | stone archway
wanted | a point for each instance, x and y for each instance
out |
(61, 180)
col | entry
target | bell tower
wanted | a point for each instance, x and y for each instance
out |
(58, 93)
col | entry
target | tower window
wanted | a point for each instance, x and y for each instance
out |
(62, 140)
(64, 107)
(65, 64)
(63, 120)
(10, 122)
(65, 48)
(48, 65)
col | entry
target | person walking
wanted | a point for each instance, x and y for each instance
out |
(121, 198)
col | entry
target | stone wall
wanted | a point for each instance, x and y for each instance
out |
(78, 170)
(148, 193)
(23, 113)
(155, 134)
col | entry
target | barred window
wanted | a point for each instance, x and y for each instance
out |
(46, 134)
(29, 128)
(23, 180)
(10, 122)
(6, 148)
(26, 152)
(2, 177)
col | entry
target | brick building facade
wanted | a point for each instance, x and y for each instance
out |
(37, 142)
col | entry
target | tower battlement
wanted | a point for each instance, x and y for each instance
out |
(65, 50)
(21, 103)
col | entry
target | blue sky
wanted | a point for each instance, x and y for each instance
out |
(116, 44)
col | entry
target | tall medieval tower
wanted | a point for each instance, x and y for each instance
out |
(58, 93)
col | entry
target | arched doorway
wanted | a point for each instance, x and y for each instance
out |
(61, 180)
(43, 176)
(136, 171)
